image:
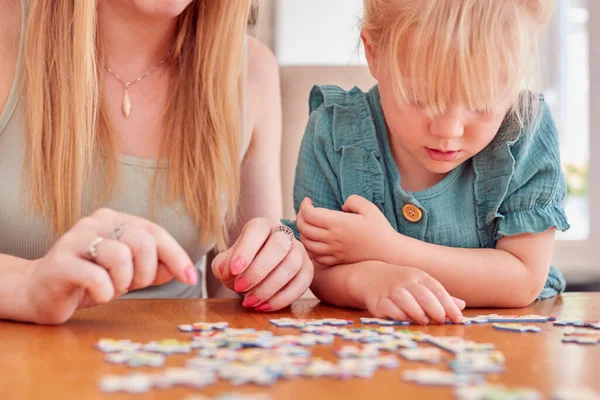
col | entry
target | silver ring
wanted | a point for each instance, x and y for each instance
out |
(286, 230)
(117, 232)
(92, 250)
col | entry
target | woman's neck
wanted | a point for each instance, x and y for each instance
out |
(133, 43)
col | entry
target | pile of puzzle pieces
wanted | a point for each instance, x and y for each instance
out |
(249, 356)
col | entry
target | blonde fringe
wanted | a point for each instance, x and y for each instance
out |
(476, 53)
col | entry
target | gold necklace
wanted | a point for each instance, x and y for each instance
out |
(126, 103)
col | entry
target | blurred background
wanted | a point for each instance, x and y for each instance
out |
(317, 42)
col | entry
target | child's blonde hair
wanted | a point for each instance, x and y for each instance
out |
(470, 52)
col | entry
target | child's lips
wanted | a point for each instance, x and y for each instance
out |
(440, 155)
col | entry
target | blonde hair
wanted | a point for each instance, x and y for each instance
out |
(65, 124)
(470, 52)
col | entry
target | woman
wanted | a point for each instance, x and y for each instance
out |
(118, 112)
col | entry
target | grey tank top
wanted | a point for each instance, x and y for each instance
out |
(27, 235)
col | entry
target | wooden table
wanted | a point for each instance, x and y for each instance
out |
(41, 362)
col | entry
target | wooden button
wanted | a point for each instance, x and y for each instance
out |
(412, 213)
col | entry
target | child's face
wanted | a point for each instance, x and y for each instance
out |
(437, 143)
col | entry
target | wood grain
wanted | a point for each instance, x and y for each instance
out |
(42, 362)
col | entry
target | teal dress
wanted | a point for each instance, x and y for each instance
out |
(514, 186)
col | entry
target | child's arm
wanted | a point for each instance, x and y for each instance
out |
(511, 275)
(387, 291)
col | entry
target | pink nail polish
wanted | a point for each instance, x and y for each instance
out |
(238, 265)
(263, 307)
(191, 275)
(251, 301)
(241, 285)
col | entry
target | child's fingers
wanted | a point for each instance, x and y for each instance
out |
(430, 303)
(316, 248)
(451, 308)
(461, 304)
(320, 217)
(386, 308)
(358, 205)
(411, 307)
(310, 231)
(328, 261)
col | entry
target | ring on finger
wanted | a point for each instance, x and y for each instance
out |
(286, 230)
(92, 247)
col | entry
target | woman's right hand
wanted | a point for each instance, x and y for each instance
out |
(407, 294)
(102, 257)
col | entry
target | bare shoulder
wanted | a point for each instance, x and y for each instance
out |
(10, 24)
(263, 94)
(263, 68)
(10, 29)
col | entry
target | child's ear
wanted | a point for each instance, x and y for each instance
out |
(369, 53)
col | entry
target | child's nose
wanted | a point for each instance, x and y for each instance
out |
(447, 126)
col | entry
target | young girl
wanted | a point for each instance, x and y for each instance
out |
(444, 179)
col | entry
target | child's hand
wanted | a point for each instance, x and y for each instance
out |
(403, 293)
(335, 237)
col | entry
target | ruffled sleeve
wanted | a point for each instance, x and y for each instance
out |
(520, 188)
(339, 154)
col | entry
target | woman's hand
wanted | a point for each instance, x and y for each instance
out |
(102, 257)
(266, 264)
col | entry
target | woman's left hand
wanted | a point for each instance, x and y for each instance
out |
(270, 267)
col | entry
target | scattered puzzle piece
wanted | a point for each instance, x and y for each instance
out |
(382, 322)
(480, 363)
(168, 346)
(132, 383)
(496, 392)
(456, 344)
(515, 318)
(431, 355)
(578, 323)
(436, 377)
(301, 323)
(355, 352)
(575, 393)
(137, 359)
(581, 335)
(203, 326)
(513, 327)
(185, 377)
(114, 346)
(319, 368)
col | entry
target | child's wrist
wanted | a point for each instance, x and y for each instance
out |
(358, 281)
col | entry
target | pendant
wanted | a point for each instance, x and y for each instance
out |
(126, 103)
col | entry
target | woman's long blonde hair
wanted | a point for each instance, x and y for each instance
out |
(473, 52)
(65, 124)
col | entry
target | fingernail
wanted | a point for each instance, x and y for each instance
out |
(241, 285)
(263, 307)
(425, 321)
(191, 275)
(238, 265)
(251, 301)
